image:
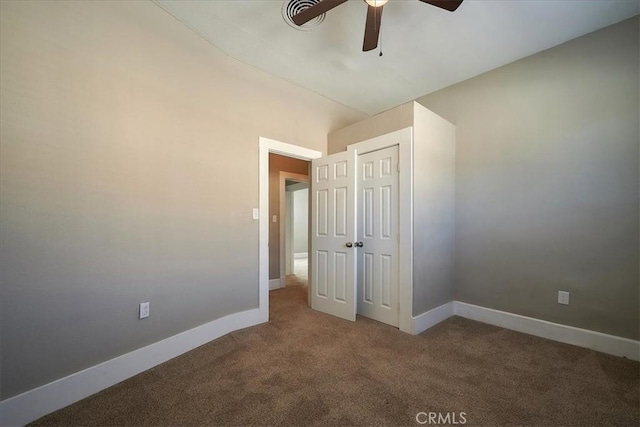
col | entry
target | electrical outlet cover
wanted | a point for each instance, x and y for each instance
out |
(144, 310)
(563, 297)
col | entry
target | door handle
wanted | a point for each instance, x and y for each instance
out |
(349, 245)
(358, 244)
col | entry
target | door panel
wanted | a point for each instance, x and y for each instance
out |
(322, 213)
(340, 197)
(321, 266)
(377, 263)
(340, 279)
(333, 226)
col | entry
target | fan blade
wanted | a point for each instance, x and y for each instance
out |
(449, 5)
(316, 10)
(372, 28)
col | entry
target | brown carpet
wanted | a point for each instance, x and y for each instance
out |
(307, 368)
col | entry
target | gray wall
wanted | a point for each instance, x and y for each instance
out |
(434, 148)
(300, 220)
(128, 173)
(547, 183)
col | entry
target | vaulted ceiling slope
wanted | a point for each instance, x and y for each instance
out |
(424, 48)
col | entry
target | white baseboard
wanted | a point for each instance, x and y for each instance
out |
(299, 255)
(610, 344)
(33, 404)
(598, 341)
(275, 284)
(432, 317)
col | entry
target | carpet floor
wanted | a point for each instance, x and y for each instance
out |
(308, 368)
(300, 271)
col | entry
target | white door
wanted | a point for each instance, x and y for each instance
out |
(333, 230)
(377, 252)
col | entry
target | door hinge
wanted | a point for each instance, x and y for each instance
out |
(398, 166)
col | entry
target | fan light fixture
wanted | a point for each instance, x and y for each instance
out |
(376, 3)
(374, 15)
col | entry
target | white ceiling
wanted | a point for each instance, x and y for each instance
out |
(425, 48)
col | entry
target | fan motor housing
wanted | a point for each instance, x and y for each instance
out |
(290, 8)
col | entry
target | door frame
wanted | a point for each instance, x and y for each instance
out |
(288, 233)
(266, 146)
(284, 217)
(403, 138)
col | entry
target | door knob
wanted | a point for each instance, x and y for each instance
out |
(349, 245)
(358, 244)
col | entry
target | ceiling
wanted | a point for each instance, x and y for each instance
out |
(425, 48)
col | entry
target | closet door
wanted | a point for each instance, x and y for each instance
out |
(378, 248)
(333, 257)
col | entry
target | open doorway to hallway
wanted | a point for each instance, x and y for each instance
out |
(296, 235)
(267, 147)
(289, 218)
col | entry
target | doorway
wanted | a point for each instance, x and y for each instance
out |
(296, 235)
(287, 176)
(294, 228)
(404, 140)
(267, 146)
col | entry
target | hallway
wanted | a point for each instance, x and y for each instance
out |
(300, 276)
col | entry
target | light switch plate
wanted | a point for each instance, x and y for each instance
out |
(275, 218)
(256, 213)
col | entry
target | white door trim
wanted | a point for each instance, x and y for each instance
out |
(266, 146)
(284, 218)
(404, 139)
(288, 233)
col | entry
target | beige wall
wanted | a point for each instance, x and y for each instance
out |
(279, 164)
(547, 183)
(383, 123)
(129, 171)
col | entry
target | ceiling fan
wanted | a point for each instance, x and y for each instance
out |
(374, 16)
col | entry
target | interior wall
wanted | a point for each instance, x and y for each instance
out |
(547, 183)
(128, 173)
(300, 220)
(383, 123)
(279, 164)
(434, 150)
